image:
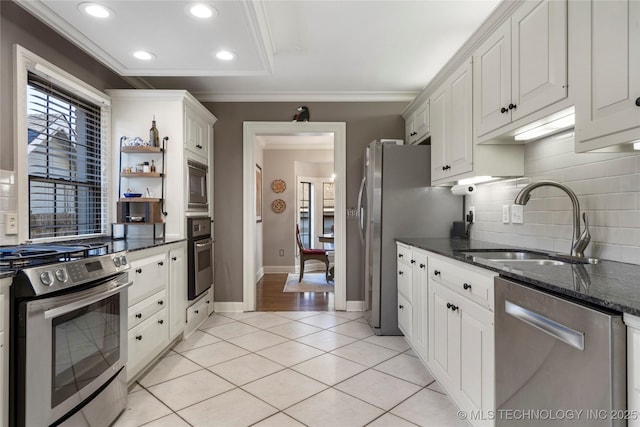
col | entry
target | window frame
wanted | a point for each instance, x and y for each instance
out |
(25, 62)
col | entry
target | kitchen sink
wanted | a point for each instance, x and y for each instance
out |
(506, 255)
(524, 257)
(530, 261)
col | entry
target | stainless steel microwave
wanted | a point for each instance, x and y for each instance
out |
(197, 173)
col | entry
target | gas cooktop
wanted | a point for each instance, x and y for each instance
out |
(31, 255)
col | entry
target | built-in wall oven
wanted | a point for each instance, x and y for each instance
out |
(200, 255)
(197, 179)
(69, 342)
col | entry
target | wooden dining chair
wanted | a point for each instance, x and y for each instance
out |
(308, 254)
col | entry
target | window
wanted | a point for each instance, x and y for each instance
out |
(64, 157)
(62, 148)
(327, 207)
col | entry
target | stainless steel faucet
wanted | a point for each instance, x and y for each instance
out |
(579, 242)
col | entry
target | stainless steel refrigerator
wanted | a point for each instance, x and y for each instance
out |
(396, 200)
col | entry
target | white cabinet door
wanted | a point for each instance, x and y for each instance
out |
(421, 122)
(451, 126)
(409, 133)
(476, 343)
(405, 315)
(539, 56)
(522, 67)
(197, 134)
(459, 146)
(177, 291)
(444, 326)
(146, 341)
(607, 79)
(419, 300)
(439, 133)
(492, 81)
(633, 366)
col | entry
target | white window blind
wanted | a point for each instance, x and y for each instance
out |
(67, 162)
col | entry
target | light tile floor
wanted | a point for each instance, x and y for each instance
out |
(288, 369)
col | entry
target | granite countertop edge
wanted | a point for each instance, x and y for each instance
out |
(118, 245)
(610, 285)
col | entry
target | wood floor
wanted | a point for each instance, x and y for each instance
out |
(269, 297)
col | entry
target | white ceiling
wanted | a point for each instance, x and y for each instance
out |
(289, 50)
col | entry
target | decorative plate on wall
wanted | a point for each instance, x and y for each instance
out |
(278, 186)
(278, 205)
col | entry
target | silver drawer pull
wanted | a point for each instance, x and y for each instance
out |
(551, 327)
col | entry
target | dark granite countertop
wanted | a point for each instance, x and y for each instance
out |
(608, 284)
(112, 246)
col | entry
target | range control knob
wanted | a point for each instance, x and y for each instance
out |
(46, 278)
(116, 261)
(61, 275)
(123, 260)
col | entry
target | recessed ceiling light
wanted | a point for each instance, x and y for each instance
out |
(144, 55)
(96, 10)
(200, 10)
(226, 55)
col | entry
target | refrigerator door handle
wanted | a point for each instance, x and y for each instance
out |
(361, 219)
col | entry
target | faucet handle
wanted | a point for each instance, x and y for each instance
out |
(585, 237)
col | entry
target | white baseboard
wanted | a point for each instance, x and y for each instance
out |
(355, 305)
(228, 307)
(275, 269)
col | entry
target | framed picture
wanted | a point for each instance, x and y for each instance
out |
(258, 193)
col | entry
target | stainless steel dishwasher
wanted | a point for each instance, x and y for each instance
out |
(558, 363)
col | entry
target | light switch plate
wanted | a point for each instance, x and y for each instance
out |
(517, 214)
(506, 215)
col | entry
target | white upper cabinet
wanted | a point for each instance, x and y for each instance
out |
(451, 121)
(521, 68)
(607, 73)
(417, 124)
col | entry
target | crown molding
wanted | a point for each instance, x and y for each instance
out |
(273, 96)
(501, 13)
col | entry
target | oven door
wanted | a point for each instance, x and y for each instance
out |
(75, 344)
(203, 266)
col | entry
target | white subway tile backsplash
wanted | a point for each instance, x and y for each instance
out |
(607, 185)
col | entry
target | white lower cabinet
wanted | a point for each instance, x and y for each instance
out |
(157, 302)
(633, 367)
(445, 310)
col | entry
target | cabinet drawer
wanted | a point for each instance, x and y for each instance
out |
(471, 282)
(405, 316)
(146, 341)
(404, 253)
(146, 308)
(198, 311)
(149, 276)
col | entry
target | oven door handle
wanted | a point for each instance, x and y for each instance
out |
(67, 308)
(205, 243)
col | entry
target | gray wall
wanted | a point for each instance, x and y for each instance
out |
(18, 26)
(278, 229)
(365, 122)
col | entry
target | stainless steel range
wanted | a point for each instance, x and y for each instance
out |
(68, 335)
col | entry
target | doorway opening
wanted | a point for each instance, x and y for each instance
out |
(327, 217)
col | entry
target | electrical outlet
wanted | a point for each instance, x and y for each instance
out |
(517, 214)
(506, 217)
(10, 223)
(472, 214)
(281, 252)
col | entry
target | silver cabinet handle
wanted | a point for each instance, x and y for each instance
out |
(546, 325)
